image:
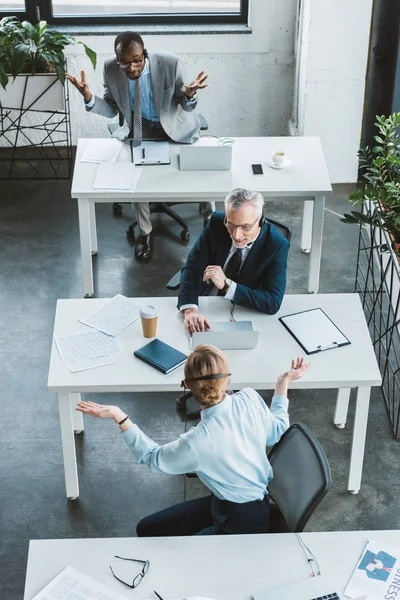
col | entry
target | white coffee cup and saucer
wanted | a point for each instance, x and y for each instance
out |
(279, 160)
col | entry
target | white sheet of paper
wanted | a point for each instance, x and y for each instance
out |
(90, 363)
(117, 176)
(156, 153)
(99, 151)
(73, 585)
(89, 344)
(114, 316)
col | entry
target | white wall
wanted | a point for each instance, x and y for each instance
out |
(337, 56)
(250, 76)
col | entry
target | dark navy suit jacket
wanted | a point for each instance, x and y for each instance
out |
(262, 279)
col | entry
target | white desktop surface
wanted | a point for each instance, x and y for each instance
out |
(307, 175)
(306, 179)
(222, 567)
(341, 368)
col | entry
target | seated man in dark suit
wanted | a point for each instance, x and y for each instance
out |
(239, 256)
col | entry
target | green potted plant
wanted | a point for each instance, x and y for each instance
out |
(379, 196)
(32, 50)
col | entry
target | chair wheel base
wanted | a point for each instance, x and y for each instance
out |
(130, 234)
(185, 235)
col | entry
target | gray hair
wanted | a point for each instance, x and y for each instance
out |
(237, 197)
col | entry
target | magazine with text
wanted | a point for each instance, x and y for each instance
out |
(377, 574)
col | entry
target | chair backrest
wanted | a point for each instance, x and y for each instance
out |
(302, 475)
(282, 227)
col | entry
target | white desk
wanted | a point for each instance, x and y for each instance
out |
(230, 567)
(306, 179)
(352, 366)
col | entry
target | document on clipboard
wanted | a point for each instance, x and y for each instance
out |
(314, 331)
(152, 153)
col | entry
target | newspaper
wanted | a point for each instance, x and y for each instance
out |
(377, 574)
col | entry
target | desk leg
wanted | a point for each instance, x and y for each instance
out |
(306, 229)
(68, 445)
(359, 434)
(77, 417)
(85, 238)
(93, 230)
(342, 406)
(316, 244)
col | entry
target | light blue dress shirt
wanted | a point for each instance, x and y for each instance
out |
(148, 108)
(227, 449)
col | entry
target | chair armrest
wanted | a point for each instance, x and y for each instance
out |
(174, 282)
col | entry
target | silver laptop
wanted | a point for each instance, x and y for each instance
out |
(205, 158)
(227, 335)
(313, 588)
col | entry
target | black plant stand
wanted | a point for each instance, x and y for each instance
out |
(35, 144)
(378, 283)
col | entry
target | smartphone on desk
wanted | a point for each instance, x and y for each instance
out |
(257, 169)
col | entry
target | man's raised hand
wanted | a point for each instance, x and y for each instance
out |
(197, 84)
(81, 86)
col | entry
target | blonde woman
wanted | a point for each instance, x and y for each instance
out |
(227, 450)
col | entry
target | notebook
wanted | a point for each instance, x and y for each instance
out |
(161, 356)
(313, 588)
(314, 331)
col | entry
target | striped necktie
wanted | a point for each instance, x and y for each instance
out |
(137, 114)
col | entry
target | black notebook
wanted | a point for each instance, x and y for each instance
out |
(161, 356)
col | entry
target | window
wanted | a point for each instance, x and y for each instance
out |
(108, 12)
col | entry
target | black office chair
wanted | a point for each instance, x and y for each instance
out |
(174, 282)
(302, 477)
(163, 207)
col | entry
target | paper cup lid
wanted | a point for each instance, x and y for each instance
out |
(148, 312)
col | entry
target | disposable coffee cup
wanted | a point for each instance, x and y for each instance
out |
(279, 158)
(149, 317)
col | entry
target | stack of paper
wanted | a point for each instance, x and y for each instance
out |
(120, 176)
(72, 585)
(86, 350)
(114, 316)
(102, 150)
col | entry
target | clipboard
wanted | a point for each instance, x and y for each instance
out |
(314, 331)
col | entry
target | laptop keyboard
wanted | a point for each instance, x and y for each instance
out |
(332, 596)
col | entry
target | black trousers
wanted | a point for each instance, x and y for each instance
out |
(207, 516)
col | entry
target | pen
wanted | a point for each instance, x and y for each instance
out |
(143, 153)
(158, 595)
(132, 160)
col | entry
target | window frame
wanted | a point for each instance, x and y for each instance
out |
(29, 14)
(44, 8)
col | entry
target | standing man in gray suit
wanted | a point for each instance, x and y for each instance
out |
(149, 91)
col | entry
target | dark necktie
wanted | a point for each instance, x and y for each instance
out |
(137, 114)
(233, 266)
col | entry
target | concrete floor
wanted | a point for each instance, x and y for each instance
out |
(40, 262)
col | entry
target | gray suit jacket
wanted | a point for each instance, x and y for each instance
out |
(178, 119)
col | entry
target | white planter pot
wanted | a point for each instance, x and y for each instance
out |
(45, 85)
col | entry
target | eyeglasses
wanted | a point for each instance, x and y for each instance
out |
(139, 577)
(135, 63)
(245, 228)
(205, 378)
